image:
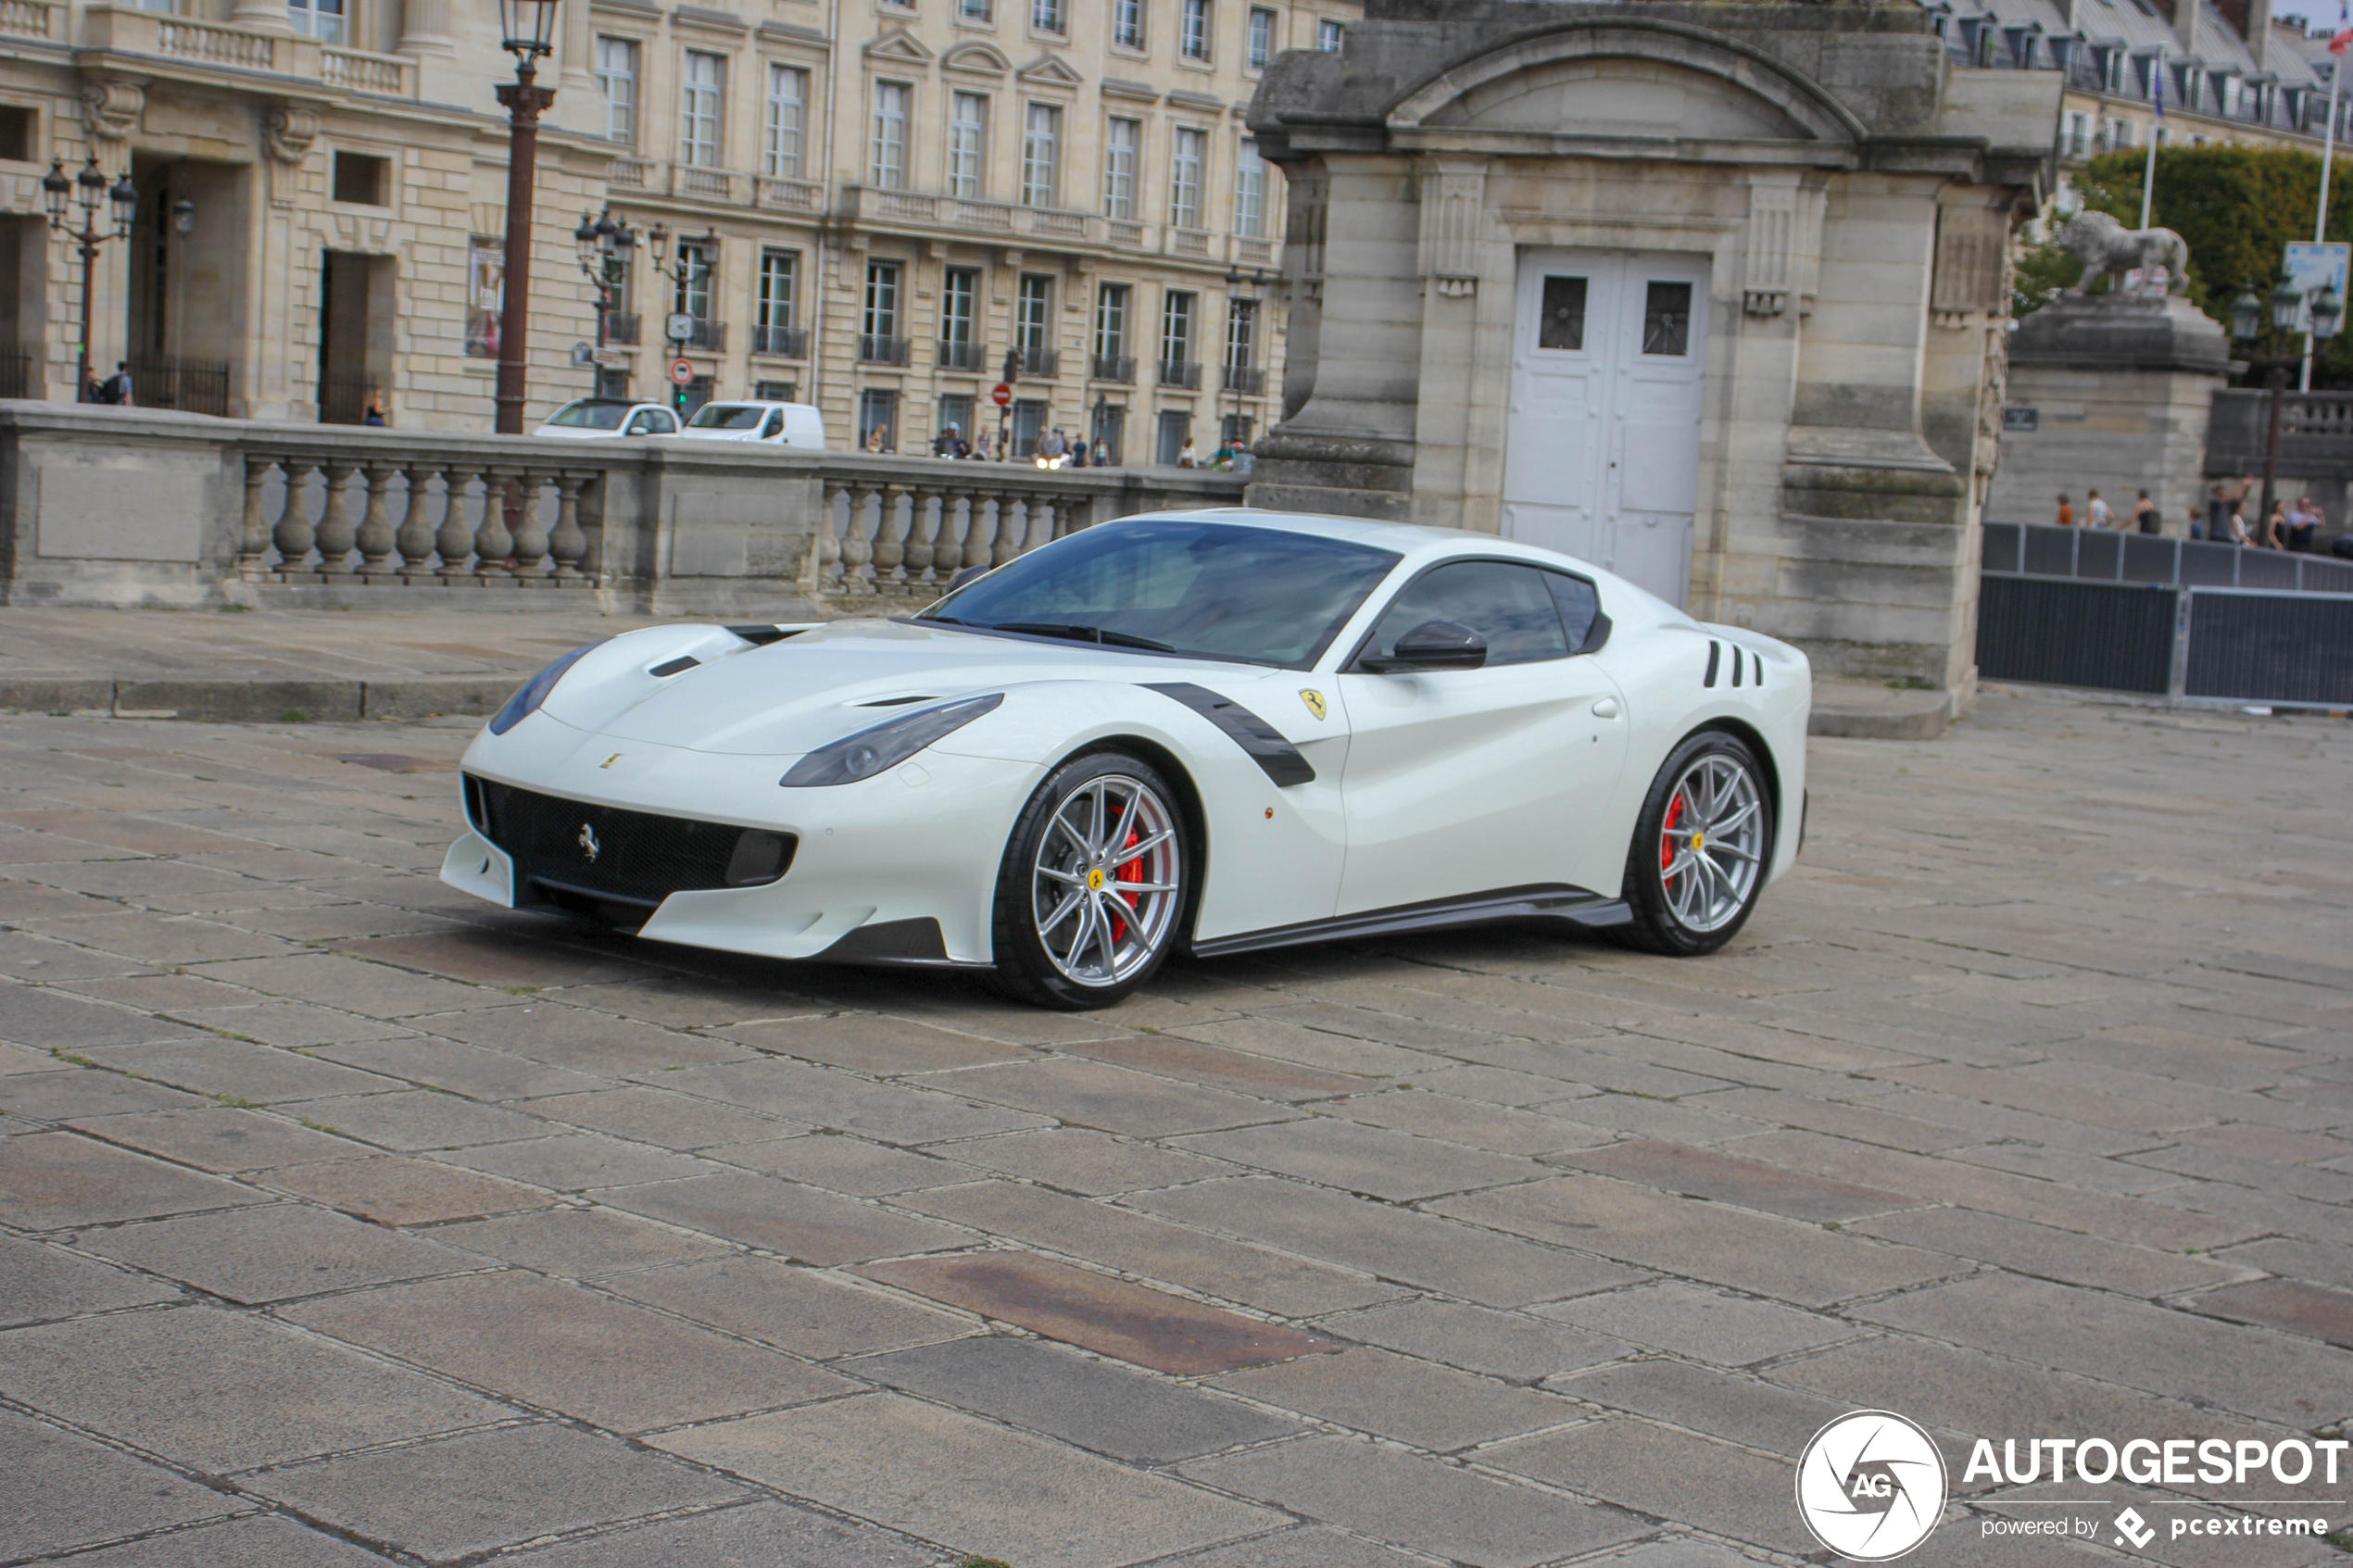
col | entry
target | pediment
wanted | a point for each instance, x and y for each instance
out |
(978, 59)
(1605, 98)
(1049, 71)
(899, 47)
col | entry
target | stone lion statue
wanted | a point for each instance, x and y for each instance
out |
(2104, 245)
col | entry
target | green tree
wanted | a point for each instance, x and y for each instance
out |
(2043, 270)
(2237, 208)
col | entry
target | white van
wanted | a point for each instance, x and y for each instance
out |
(798, 425)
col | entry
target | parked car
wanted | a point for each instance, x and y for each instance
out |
(1220, 731)
(797, 425)
(590, 418)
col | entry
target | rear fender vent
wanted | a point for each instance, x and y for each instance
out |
(1715, 658)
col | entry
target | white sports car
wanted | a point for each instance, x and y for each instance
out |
(1215, 730)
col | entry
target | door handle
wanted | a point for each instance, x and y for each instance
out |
(1606, 708)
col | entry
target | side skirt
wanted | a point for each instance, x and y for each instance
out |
(1545, 902)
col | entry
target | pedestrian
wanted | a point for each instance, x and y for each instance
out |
(2066, 512)
(1078, 453)
(2098, 513)
(1055, 448)
(2226, 500)
(1102, 453)
(2144, 516)
(2274, 536)
(2238, 532)
(2304, 525)
(947, 444)
(878, 439)
(1186, 457)
(375, 415)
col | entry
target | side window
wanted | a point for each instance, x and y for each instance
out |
(1507, 604)
(1580, 605)
(663, 423)
(775, 425)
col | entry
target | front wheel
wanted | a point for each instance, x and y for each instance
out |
(1092, 885)
(1700, 848)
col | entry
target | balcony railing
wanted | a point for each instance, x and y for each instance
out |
(783, 343)
(1120, 367)
(1185, 373)
(1247, 379)
(1043, 363)
(1189, 241)
(969, 357)
(708, 335)
(788, 196)
(695, 181)
(216, 46)
(875, 350)
(623, 329)
(32, 19)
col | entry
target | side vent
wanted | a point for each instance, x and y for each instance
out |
(1759, 660)
(1738, 664)
(1715, 655)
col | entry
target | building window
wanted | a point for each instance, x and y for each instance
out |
(776, 391)
(1175, 330)
(1250, 192)
(1261, 37)
(1034, 313)
(1119, 167)
(1111, 322)
(787, 101)
(1128, 23)
(1667, 319)
(1184, 177)
(1046, 16)
(695, 265)
(1328, 35)
(16, 133)
(1192, 30)
(956, 414)
(973, 10)
(1039, 141)
(878, 419)
(617, 78)
(2079, 135)
(960, 309)
(485, 295)
(700, 107)
(362, 178)
(887, 166)
(1234, 430)
(882, 299)
(1242, 335)
(779, 288)
(967, 131)
(321, 19)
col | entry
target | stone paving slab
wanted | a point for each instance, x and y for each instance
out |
(2024, 1105)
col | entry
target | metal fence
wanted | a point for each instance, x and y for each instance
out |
(2123, 612)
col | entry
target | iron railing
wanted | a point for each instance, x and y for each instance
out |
(343, 400)
(968, 357)
(876, 350)
(1181, 373)
(1043, 363)
(1247, 379)
(623, 329)
(193, 387)
(1120, 367)
(20, 372)
(783, 343)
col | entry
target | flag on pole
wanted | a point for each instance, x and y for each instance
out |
(2344, 39)
(2157, 79)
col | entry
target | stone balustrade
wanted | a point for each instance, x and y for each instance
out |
(104, 506)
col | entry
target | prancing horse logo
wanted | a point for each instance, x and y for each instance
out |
(588, 842)
(1314, 701)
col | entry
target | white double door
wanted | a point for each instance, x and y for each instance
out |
(1601, 456)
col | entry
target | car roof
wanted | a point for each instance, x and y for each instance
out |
(752, 403)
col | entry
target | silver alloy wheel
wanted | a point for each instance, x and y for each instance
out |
(1107, 880)
(1711, 843)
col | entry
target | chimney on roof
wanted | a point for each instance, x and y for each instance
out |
(2185, 15)
(2259, 33)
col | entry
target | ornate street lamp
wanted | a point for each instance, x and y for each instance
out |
(530, 29)
(605, 245)
(87, 190)
(2288, 304)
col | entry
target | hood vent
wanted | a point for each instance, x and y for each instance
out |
(898, 701)
(678, 666)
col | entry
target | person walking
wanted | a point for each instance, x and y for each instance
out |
(2066, 512)
(2304, 524)
(1102, 453)
(2144, 516)
(2237, 532)
(1187, 456)
(1055, 448)
(947, 444)
(2274, 535)
(376, 415)
(2224, 501)
(2098, 513)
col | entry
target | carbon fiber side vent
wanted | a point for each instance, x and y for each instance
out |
(1715, 658)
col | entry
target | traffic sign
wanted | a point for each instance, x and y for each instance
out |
(678, 327)
(610, 358)
(682, 370)
(1000, 395)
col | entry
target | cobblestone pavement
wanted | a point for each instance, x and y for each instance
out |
(343, 1218)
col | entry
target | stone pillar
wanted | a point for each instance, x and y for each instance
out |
(2109, 393)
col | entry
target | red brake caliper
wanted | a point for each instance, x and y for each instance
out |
(1666, 842)
(1132, 870)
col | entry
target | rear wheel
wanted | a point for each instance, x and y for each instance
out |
(1092, 885)
(1700, 848)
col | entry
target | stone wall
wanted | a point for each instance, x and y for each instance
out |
(128, 506)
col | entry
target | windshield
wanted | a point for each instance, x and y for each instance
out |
(586, 415)
(727, 416)
(1212, 589)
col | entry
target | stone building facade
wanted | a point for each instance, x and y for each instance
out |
(1712, 294)
(870, 203)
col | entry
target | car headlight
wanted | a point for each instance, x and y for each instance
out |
(526, 703)
(869, 752)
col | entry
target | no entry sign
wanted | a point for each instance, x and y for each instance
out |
(1000, 395)
(682, 372)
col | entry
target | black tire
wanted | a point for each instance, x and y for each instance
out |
(1697, 910)
(1132, 933)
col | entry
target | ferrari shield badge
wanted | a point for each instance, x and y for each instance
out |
(1314, 701)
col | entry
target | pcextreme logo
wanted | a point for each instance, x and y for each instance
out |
(1870, 1486)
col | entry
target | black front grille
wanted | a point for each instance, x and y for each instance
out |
(565, 849)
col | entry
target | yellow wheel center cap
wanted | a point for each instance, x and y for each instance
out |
(1095, 880)
(1699, 840)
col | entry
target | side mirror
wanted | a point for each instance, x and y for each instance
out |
(1434, 645)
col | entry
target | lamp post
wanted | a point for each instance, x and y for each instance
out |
(602, 242)
(679, 271)
(530, 29)
(88, 190)
(1234, 281)
(2327, 311)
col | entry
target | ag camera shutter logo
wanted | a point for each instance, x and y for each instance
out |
(1870, 1486)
